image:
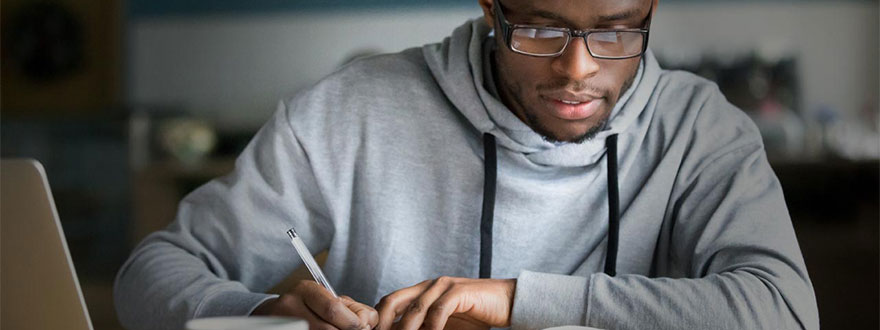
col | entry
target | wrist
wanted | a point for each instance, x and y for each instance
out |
(265, 308)
(510, 292)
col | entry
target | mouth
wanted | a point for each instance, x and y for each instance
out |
(571, 107)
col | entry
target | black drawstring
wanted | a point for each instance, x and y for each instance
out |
(613, 207)
(490, 167)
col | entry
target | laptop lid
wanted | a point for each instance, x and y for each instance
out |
(38, 284)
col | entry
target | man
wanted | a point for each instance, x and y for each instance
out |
(546, 174)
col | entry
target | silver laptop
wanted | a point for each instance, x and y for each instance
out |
(38, 284)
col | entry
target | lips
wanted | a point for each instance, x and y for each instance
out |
(573, 107)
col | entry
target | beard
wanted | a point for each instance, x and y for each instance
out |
(549, 136)
(536, 124)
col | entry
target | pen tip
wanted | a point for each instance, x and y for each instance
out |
(291, 233)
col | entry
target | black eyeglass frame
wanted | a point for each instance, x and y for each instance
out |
(507, 29)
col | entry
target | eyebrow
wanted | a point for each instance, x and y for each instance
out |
(624, 15)
(632, 12)
(548, 15)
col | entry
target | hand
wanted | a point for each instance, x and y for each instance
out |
(309, 300)
(479, 302)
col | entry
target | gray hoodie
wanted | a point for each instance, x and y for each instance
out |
(382, 164)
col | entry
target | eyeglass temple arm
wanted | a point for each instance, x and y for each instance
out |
(648, 26)
(502, 21)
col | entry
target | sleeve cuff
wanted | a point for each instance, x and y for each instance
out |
(231, 303)
(545, 300)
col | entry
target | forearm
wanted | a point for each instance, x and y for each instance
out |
(162, 286)
(740, 299)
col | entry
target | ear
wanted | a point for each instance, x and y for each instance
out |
(488, 14)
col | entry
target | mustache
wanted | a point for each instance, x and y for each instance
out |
(572, 86)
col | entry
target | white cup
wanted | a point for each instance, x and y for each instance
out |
(247, 323)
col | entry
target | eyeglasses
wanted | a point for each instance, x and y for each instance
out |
(540, 41)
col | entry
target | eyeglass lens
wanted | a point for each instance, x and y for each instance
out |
(604, 44)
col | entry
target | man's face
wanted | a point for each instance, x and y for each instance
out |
(569, 97)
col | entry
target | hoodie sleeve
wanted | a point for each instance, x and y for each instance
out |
(228, 242)
(733, 263)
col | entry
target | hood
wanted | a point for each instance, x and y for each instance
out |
(460, 67)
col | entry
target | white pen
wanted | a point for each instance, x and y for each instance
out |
(310, 262)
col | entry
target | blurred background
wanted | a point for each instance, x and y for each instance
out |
(132, 104)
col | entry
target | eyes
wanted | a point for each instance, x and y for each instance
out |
(539, 33)
(610, 37)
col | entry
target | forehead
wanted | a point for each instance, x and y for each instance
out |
(579, 12)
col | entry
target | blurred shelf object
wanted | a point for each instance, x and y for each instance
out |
(60, 57)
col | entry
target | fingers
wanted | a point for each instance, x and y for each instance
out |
(292, 305)
(316, 305)
(482, 303)
(438, 314)
(395, 303)
(457, 323)
(368, 316)
(315, 322)
(415, 313)
(328, 308)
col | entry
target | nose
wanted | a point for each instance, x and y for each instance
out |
(576, 63)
